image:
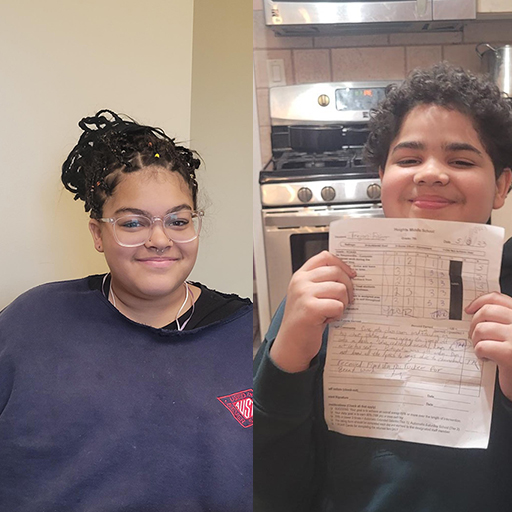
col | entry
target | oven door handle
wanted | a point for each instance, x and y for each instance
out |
(320, 218)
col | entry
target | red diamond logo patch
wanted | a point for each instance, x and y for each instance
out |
(240, 406)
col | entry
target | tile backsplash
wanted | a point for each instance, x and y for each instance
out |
(361, 57)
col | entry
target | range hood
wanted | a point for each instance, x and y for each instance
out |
(338, 17)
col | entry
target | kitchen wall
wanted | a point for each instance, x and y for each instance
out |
(362, 57)
(366, 57)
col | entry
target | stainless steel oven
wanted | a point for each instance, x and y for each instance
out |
(316, 174)
(292, 17)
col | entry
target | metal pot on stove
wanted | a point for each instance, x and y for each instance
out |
(498, 63)
(316, 139)
(325, 138)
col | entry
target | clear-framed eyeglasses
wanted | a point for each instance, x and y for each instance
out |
(132, 230)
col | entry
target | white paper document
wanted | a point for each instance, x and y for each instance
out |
(400, 364)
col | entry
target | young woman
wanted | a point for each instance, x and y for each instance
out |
(130, 390)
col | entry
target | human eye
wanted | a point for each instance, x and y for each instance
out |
(178, 220)
(462, 163)
(407, 161)
(133, 222)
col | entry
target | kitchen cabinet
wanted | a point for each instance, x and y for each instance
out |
(494, 7)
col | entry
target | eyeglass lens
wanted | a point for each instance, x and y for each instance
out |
(133, 230)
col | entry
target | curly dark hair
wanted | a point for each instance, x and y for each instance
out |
(112, 145)
(453, 88)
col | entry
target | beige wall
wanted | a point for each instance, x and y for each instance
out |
(221, 130)
(59, 61)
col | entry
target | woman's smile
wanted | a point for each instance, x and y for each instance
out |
(157, 261)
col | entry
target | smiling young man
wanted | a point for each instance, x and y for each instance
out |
(443, 174)
(443, 144)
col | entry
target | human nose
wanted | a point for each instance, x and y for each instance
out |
(430, 173)
(157, 237)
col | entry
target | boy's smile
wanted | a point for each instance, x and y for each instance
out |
(432, 202)
(437, 168)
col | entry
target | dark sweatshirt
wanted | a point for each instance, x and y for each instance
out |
(99, 413)
(299, 465)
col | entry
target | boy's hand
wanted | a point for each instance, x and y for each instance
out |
(318, 294)
(491, 333)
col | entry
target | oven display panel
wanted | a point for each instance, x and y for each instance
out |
(359, 99)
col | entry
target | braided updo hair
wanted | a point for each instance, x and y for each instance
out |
(112, 145)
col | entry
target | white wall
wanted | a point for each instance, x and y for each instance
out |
(503, 217)
(59, 61)
(221, 130)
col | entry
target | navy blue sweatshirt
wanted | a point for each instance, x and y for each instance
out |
(100, 413)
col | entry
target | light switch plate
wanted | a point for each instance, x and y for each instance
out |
(275, 71)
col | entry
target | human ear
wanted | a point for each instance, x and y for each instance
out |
(95, 229)
(381, 173)
(502, 188)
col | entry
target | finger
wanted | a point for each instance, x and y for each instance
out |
(328, 274)
(491, 313)
(333, 319)
(325, 258)
(303, 282)
(331, 275)
(490, 331)
(497, 351)
(302, 293)
(333, 311)
(488, 298)
(322, 310)
(330, 290)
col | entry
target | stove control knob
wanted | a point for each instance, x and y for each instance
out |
(323, 100)
(305, 194)
(373, 191)
(328, 194)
